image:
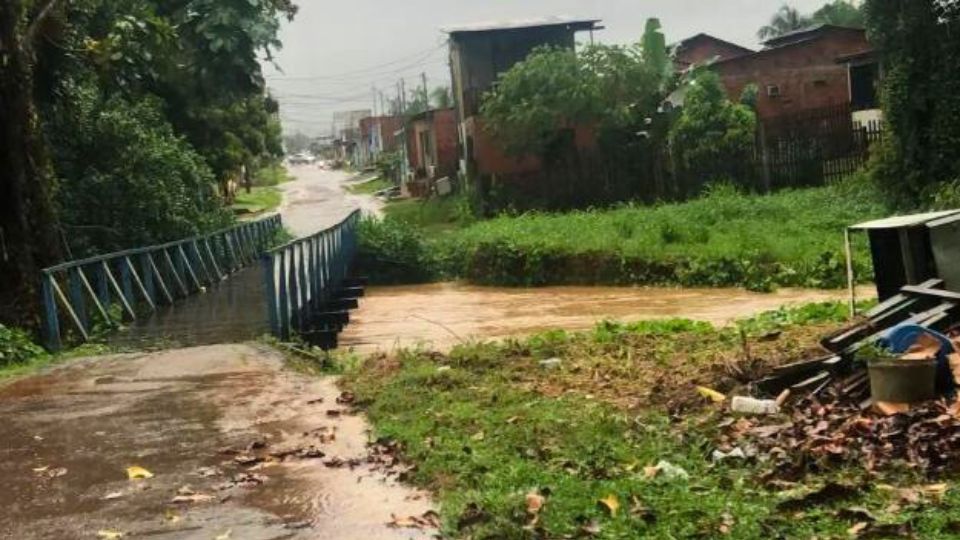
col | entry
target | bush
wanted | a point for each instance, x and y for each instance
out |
(393, 251)
(16, 347)
(149, 186)
(725, 238)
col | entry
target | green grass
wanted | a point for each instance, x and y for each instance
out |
(433, 216)
(486, 425)
(370, 187)
(272, 174)
(725, 238)
(258, 201)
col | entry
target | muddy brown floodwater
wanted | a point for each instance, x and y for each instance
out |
(442, 315)
(202, 418)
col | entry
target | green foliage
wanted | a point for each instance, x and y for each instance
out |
(920, 96)
(441, 97)
(840, 13)
(713, 137)
(786, 20)
(150, 187)
(551, 90)
(726, 238)
(16, 347)
(273, 173)
(258, 200)
(393, 251)
(486, 425)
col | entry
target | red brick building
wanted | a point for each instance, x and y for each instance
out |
(478, 55)
(797, 72)
(432, 144)
(704, 48)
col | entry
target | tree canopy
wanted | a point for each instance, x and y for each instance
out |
(788, 19)
(132, 111)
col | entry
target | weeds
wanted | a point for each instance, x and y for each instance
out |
(488, 425)
(726, 238)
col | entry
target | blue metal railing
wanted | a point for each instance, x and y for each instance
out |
(303, 276)
(145, 278)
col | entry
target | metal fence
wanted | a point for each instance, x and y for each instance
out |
(305, 279)
(84, 293)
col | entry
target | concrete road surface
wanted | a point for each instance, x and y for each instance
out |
(316, 200)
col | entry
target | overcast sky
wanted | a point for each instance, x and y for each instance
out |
(336, 52)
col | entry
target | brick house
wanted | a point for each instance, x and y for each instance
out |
(797, 72)
(432, 152)
(704, 48)
(478, 55)
(378, 134)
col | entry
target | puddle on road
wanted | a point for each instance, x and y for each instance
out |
(445, 314)
(173, 413)
(232, 311)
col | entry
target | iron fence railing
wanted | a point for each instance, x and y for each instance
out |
(84, 292)
(303, 277)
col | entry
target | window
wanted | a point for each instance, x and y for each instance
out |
(773, 90)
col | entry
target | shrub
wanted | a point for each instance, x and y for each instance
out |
(393, 251)
(16, 347)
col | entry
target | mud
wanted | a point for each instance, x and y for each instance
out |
(69, 435)
(442, 315)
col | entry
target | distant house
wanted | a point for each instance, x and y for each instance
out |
(479, 54)
(431, 146)
(800, 71)
(703, 49)
(377, 135)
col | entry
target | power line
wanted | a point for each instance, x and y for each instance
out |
(420, 57)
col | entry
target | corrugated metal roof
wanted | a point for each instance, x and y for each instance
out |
(556, 20)
(898, 222)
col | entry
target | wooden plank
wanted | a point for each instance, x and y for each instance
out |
(936, 293)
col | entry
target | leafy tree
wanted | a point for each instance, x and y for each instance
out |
(840, 13)
(28, 221)
(713, 137)
(442, 97)
(608, 87)
(150, 188)
(919, 40)
(786, 20)
(655, 52)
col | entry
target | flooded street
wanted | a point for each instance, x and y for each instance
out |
(208, 423)
(442, 315)
(316, 199)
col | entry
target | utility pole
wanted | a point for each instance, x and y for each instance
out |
(403, 94)
(426, 93)
(375, 102)
(399, 100)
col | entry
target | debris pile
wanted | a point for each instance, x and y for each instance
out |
(819, 432)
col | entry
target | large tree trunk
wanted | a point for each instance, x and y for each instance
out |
(28, 227)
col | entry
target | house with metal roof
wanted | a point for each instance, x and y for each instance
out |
(479, 54)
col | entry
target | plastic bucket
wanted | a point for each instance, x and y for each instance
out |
(903, 381)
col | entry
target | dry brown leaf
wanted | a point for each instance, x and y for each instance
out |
(535, 502)
(858, 529)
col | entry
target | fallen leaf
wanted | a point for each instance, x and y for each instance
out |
(224, 536)
(711, 394)
(109, 535)
(611, 504)
(857, 529)
(138, 473)
(194, 498)
(535, 502)
(113, 495)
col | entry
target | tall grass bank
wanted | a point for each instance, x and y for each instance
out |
(725, 238)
